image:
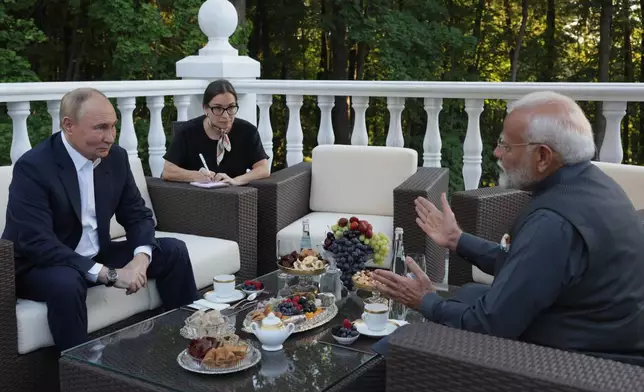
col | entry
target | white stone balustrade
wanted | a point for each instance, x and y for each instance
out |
(218, 59)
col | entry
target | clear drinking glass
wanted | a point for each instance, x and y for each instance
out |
(419, 258)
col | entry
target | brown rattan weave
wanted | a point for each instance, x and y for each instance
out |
(432, 357)
(487, 213)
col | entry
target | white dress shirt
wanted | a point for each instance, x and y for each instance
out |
(88, 245)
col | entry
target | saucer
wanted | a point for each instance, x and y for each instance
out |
(361, 326)
(235, 296)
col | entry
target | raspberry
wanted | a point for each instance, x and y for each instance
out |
(346, 323)
(296, 299)
(247, 283)
(258, 285)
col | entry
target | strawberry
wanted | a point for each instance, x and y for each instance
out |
(346, 323)
(296, 299)
(258, 285)
(247, 283)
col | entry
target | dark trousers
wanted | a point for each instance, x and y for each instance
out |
(64, 289)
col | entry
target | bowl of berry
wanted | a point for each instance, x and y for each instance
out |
(252, 286)
(345, 333)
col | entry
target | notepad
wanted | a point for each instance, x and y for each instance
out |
(208, 184)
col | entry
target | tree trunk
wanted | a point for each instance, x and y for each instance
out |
(340, 54)
(240, 6)
(517, 48)
(628, 77)
(477, 33)
(605, 22)
(323, 74)
(548, 74)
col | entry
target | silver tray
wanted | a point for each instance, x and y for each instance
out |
(187, 362)
(324, 317)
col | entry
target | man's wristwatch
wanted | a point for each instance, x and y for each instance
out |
(112, 277)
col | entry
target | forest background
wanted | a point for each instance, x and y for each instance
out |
(420, 40)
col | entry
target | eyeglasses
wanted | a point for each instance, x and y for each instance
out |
(500, 143)
(218, 110)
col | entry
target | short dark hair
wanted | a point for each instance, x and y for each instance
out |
(217, 87)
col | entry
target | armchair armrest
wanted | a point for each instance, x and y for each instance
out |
(8, 325)
(428, 183)
(487, 213)
(449, 359)
(228, 213)
(282, 199)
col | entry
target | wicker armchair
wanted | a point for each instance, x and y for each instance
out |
(284, 198)
(179, 208)
(487, 213)
(429, 356)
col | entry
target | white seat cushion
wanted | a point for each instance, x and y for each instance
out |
(360, 179)
(209, 257)
(105, 306)
(629, 177)
(116, 230)
(6, 174)
(288, 239)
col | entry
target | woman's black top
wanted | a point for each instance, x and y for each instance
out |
(190, 139)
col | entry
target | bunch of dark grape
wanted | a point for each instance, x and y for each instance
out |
(350, 254)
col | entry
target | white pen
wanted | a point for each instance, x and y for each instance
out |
(204, 163)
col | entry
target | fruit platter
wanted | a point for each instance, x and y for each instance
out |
(224, 354)
(306, 311)
(352, 243)
(308, 262)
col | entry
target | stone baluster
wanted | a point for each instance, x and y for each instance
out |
(294, 135)
(19, 111)
(264, 102)
(611, 149)
(182, 102)
(325, 133)
(53, 108)
(156, 135)
(473, 145)
(394, 134)
(127, 137)
(432, 142)
(359, 136)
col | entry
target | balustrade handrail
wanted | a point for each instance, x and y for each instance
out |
(43, 91)
(632, 92)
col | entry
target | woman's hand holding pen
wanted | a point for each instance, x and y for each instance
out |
(204, 175)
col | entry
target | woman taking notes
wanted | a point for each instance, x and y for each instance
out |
(229, 146)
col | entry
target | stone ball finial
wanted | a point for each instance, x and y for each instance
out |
(218, 21)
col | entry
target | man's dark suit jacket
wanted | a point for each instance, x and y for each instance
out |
(44, 209)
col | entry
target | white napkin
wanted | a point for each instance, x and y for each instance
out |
(203, 304)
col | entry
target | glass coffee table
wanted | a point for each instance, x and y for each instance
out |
(143, 357)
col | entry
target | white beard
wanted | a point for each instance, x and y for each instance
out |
(515, 179)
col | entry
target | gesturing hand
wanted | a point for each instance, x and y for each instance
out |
(441, 227)
(408, 291)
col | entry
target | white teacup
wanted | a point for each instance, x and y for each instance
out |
(376, 316)
(224, 285)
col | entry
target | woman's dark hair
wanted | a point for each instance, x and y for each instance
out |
(217, 87)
